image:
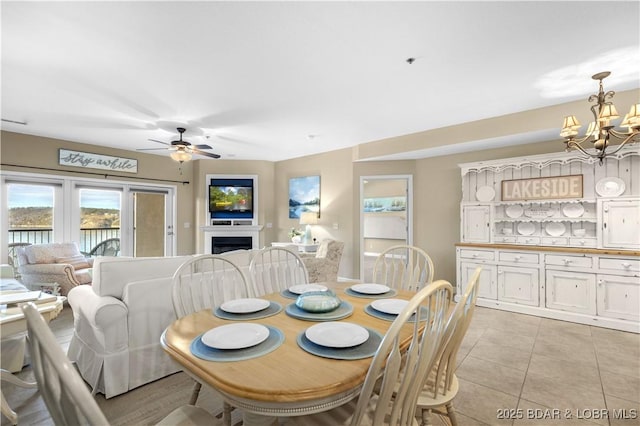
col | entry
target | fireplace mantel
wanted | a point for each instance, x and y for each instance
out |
(252, 231)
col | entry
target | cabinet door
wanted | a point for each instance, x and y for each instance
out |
(619, 297)
(518, 285)
(475, 224)
(487, 286)
(571, 291)
(621, 224)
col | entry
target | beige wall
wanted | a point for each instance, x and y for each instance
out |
(336, 199)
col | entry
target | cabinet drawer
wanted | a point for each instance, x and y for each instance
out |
(554, 241)
(477, 254)
(569, 261)
(507, 240)
(619, 264)
(509, 256)
(528, 240)
(582, 242)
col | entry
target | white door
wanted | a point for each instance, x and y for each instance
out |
(487, 285)
(475, 222)
(621, 224)
(152, 232)
(571, 291)
(619, 297)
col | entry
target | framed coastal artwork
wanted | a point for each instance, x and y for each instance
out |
(304, 196)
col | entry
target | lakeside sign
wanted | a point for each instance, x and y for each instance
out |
(96, 161)
(542, 188)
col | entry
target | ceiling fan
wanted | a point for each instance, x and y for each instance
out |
(182, 150)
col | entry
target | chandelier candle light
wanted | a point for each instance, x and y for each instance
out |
(601, 129)
(308, 218)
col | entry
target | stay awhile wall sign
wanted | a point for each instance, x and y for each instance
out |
(96, 161)
(542, 188)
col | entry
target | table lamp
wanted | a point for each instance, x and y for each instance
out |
(308, 218)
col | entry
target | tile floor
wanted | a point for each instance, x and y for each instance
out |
(526, 367)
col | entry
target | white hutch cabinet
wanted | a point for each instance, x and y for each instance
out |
(557, 236)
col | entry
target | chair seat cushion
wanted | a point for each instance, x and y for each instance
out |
(78, 261)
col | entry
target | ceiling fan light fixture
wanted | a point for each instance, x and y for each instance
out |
(181, 156)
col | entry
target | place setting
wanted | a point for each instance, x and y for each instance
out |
(247, 309)
(340, 340)
(370, 291)
(236, 342)
(294, 291)
(323, 305)
(388, 309)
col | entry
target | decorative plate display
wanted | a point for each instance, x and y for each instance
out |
(370, 288)
(573, 210)
(555, 229)
(389, 306)
(514, 211)
(244, 306)
(235, 336)
(526, 228)
(337, 334)
(610, 187)
(304, 288)
(485, 194)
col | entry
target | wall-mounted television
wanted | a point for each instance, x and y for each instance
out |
(231, 198)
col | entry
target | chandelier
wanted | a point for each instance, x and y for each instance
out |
(602, 131)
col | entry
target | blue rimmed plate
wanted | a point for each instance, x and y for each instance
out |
(273, 309)
(202, 351)
(364, 350)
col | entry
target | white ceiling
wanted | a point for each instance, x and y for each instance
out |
(278, 80)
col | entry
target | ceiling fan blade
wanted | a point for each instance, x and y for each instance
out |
(163, 143)
(202, 147)
(206, 154)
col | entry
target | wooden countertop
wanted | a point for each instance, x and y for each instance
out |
(578, 250)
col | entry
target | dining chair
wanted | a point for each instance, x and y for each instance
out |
(403, 267)
(205, 282)
(275, 269)
(65, 393)
(442, 386)
(396, 377)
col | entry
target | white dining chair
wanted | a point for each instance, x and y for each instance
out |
(65, 393)
(206, 282)
(396, 377)
(275, 269)
(403, 267)
(442, 386)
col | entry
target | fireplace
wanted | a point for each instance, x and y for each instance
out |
(230, 237)
(224, 244)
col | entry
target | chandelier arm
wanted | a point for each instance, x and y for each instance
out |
(621, 135)
(621, 144)
(576, 145)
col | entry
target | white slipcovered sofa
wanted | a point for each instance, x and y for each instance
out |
(119, 319)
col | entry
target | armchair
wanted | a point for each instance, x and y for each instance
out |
(324, 264)
(61, 263)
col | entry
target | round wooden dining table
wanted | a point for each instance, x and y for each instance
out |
(287, 381)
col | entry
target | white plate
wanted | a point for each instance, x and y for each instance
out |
(485, 194)
(555, 229)
(235, 336)
(514, 211)
(337, 334)
(573, 210)
(610, 187)
(304, 288)
(370, 288)
(244, 306)
(526, 228)
(389, 306)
